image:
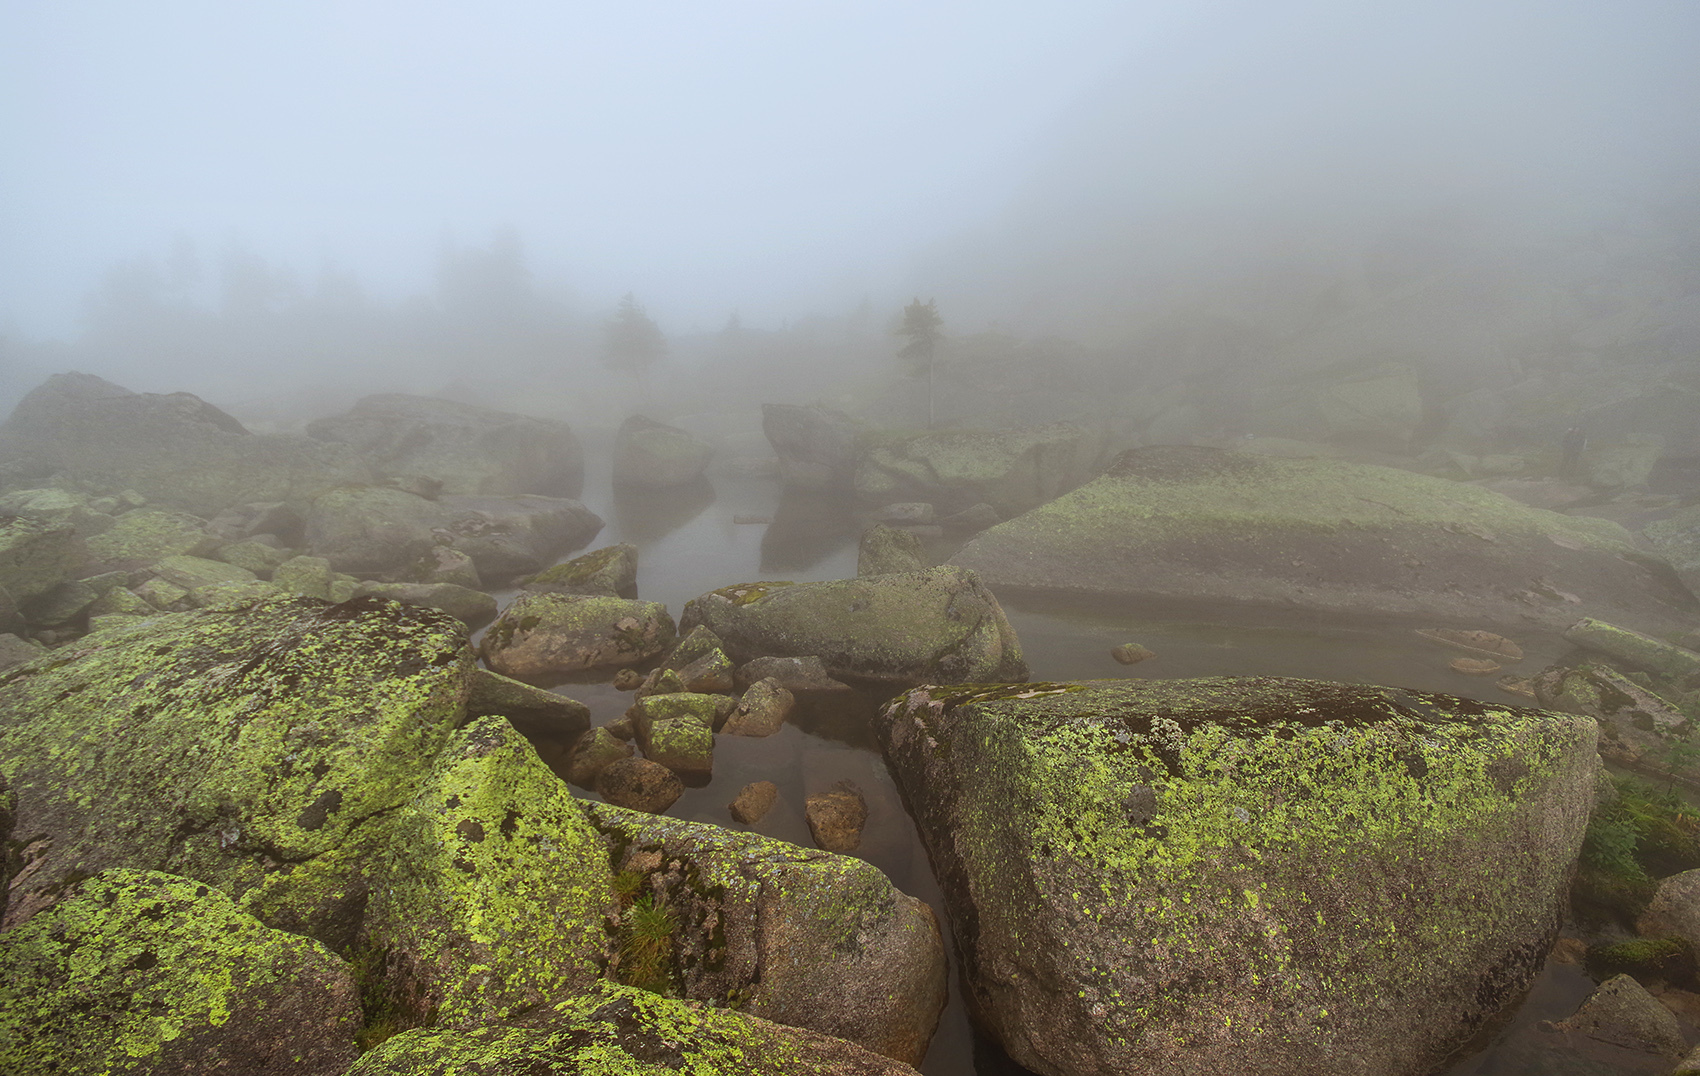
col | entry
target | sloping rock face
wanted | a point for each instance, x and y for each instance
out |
(1677, 539)
(1230, 876)
(379, 532)
(803, 937)
(468, 449)
(940, 625)
(650, 453)
(250, 746)
(1011, 470)
(138, 972)
(176, 450)
(620, 1030)
(1201, 523)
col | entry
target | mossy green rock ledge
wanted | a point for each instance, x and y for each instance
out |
(1201, 523)
(940, 625)
(621, 1031)
(256, 746)
(544, 636)
(142, 973)
(1241, 875)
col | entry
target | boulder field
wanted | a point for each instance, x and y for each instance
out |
(1327, 536)
(1241, 875)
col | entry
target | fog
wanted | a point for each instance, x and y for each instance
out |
(252, 203)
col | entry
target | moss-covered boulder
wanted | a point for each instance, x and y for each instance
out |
(254, 746)
(468, 449)
(148, 534)
(1011, 470)
(528, 707)
(884, 550)
(58, 507)
(1257, 875)
(385, 533)
(797, 936)
(1642, 651)
(137, 972)
(489, 899)
(543, 636)
(619, 1030)
(609, 570)
(474, 608)
(35, 556)
(1638, 729)
(654, 454)
(174, 449)
(940, 625)
(1201, 523)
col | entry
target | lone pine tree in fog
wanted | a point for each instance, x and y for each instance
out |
(634, 341)
(920, 328)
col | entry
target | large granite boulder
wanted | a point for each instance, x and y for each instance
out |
(176, 450)
(618, 1030)
(797, 936)
(1677, 539)
(36, 556)
(136, 972)
(650, 453)
(940, 625)
(816, 446)
(466, 448)
(254, 746)
(1374, 405)
(1011, 470)
(1329, 536)
(390, 533)
(546, 636)
(1241, 875)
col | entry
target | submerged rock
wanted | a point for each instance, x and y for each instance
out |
(137, 972)
(1200, 523)
(252, 746)
(1622, 1013)
(836, 817)
(935, 626)
(753, 802)
(543, 636)
(804, 938)
(620, 1029)
(1257, 875)
(639, 785)
(465, 449)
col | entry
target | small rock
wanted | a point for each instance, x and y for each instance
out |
(628, 680)
(800, 676)
(1473, 666)
(836, 817)
(307, 576)
(694, 644)
(763, 709)
(753, 802)
(1517, 685)
(1622, 1013)
(640, 785)
(1475, 641)
(709, 674)
(662, 681)
(624, 726)
(595, 751)
(1131, 654)
(887, 550)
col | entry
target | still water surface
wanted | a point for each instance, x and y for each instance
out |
(690, 542)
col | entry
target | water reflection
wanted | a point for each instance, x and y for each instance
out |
(808, 527)
(645, 514)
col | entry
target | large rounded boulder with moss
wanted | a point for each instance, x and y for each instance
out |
(1241, 875)
(1325, 535)
(545, 636)
(940, 625)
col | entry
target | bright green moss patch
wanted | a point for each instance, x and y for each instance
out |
(139, 972)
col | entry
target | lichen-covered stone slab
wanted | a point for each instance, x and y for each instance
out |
(1241, 875)
(1642, 651)
(1011, 470)
(801, 937)
(256, 746)
(138, 972)
(609, 570)
(489, 899)
(543, 636)
(148, 534)
(1201, 523)
(622, 1031)
(940, 625)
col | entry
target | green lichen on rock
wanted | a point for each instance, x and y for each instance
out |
(488, 900)
(256, 746)
(623, 1031)
(1637, 649)
(940, 625)
(148, 534)
(36, 556)
(139, 972)
(1192, 523)
(795, 935)
(609, 570)
(1285, 876)
(544, 635)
